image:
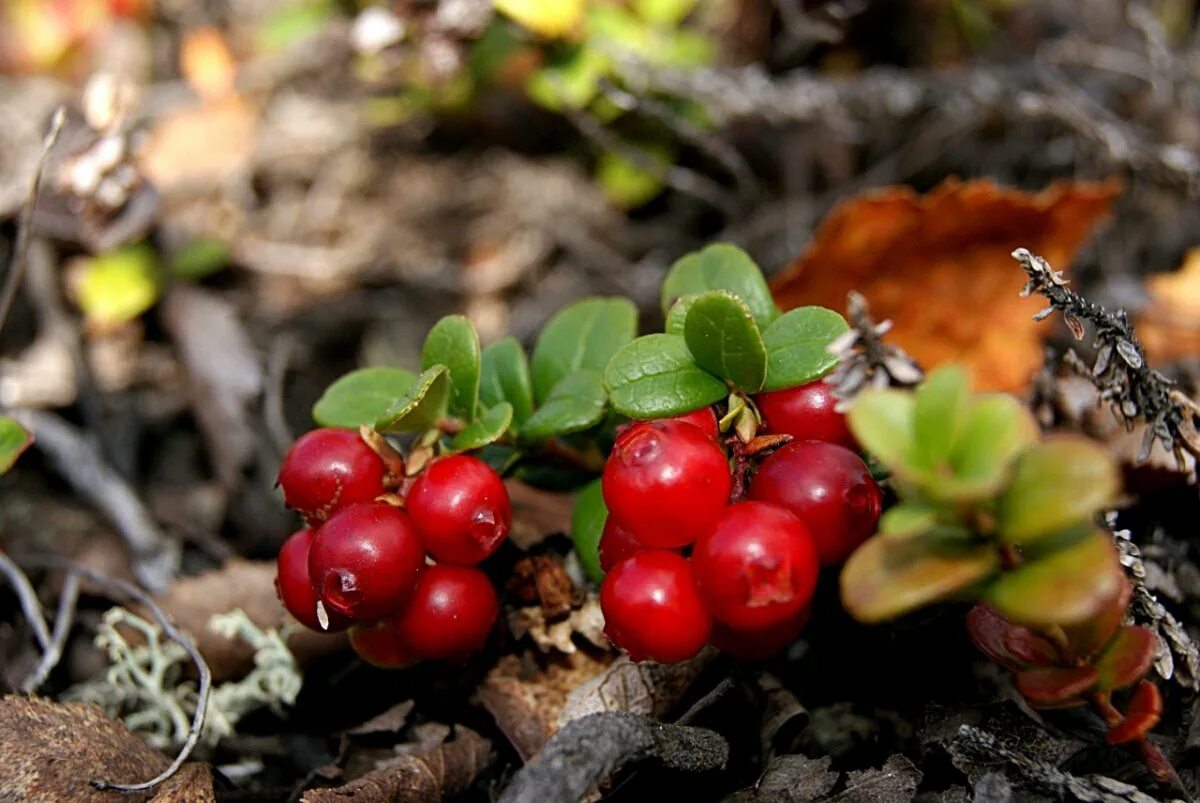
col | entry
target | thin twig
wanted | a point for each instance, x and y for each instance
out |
(30, 605)
(16, 269)
(64, 617)
(122, 588)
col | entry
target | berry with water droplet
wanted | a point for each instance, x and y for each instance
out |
(451, 613)
(757, 567)
(665, 482)
(294, 587)
(651, 608)
(461, 509)
(327, 470)
(365, 561)
(829, 488)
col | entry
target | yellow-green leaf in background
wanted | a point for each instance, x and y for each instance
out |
(117, 287)
(549, 18)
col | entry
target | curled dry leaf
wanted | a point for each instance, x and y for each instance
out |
(435, 774)
(586, 621)
(1169, 326)
(544, 580)
(645, 688)
(51, 752)
(939, 266)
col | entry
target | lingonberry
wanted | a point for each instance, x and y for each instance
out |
(829, 488)
(379, 643)
(461, 509)
(294, 587)
(704, 418)
(616, 544)
(364, 561)
(806, 412)
(651, 607)
(665, 481)
(761, 644)
(450, 614)
(327, 470)
(757, 567)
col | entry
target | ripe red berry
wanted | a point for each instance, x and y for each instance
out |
(461, 509)
(704, 418)
(807, 412)
(364, 562)
(327, 470)
(651, 608)
(665, 482)
(829, 487)
(616, 544)
(450, 614)
(379, 644)
(295, 589)
(759, 645)
(757, 567)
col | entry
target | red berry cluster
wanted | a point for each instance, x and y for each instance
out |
(364, 563)
(686, 567)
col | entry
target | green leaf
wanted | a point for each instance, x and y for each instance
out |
(1055, 484)
(485, 429)
(998, 427)
(882, 421)
(422, 406)
(938, 415)
(117, 287)
(664, 12)
(582, 336)
(576, 403)
(361, 396)
(721, 267)
(884, 579)
(504, 377)
(907, 520)
(656, 376)
(452, 342)
(199, 258)
(798, 346)
(587, 524)
(628, 184)
(678, 314)
(722, 336)
(1065, 587)
(14, 439)
(571, 82)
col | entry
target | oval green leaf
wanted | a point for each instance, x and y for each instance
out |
(939, 413)
(582, 336)
(361, 396)
(587, 524)
(997, 429)
(884, 579)
(798, 346)
(422, 407)
(486, 429)
(723, 338)
(882, 421)
(576, 403)
(453, 342)
(656, 376)
(504, 377)
(1057, 483)
(14, 439)
(1064, 587)
(721, 267)
(677, 317)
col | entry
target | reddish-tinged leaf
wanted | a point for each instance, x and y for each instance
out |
(1126, 659)
(1053, 686)
(1030, 647)
(1145, 707)
(987, 630)
(1090, 635)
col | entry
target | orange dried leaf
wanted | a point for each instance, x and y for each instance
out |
(206, 63)
(1169, 326)
(940, 267)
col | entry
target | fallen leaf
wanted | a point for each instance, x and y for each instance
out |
(1169, 326)
(792, 779)
(544, 580)
(537, 514)
(895, 782)
(53, 751)
(586, 621)
(206, 63)
(200, 144)
(939, 266)
(635, 688)
(393, 720)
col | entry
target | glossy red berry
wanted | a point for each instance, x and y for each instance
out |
(757, 567)
(665, 482)
(379, 644)
(829, 487)
(461, 509)
(807, 412)
(651, 608)
(616, 544)
(759, 645)
(451, 613)
(327, 470)
(295, 589)
(704, 418)
(364, 561)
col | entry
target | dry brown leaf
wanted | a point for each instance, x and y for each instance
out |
(536, 514)
(636, 688)
(1169, 326)
(543, 579)
(438, 773)
(586, 621)
(200, 144)
(51, 752)
(249, 585)
(939, 266)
